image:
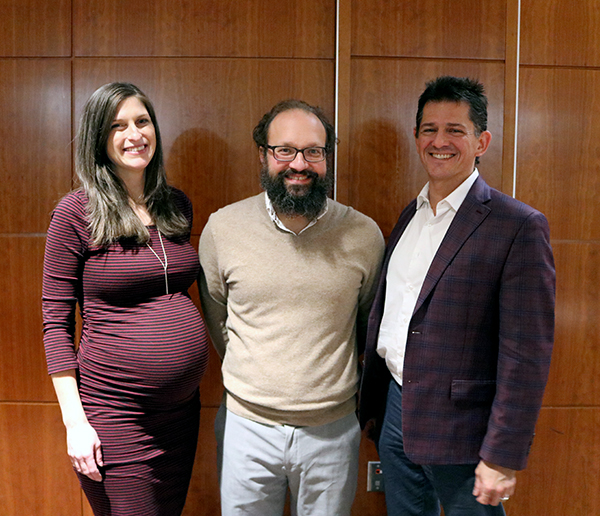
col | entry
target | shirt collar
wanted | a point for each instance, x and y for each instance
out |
(273, 215)
(455, 198)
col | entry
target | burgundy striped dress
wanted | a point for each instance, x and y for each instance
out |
(141, 357)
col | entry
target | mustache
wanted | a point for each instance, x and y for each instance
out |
(290, 171)
(307, 200)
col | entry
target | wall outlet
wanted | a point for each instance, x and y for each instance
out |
(374, 477)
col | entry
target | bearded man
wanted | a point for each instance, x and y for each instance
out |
(288, 279)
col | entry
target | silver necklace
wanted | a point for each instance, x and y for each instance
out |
(164, 264)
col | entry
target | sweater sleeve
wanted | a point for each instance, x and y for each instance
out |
(63, 264)
(213, 291)
(367, 293)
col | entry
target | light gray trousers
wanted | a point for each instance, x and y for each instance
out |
(258, 462)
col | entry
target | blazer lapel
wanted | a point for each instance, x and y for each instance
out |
(469, 216)
(378, 303)
(405, 217)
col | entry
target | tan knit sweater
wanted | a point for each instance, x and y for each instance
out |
(283, 310)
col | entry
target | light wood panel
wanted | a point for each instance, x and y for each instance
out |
(264, 28)
(564, 466)
(557, 149)
(207, 110)
(429, 28)
(385, 171)
(35, 161)
(560, 32)
(35, 472)
(575, 372)
(34, 28)
(23, 365)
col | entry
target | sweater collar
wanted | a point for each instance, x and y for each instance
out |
(273, 215)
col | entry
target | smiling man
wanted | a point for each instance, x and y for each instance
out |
(288, 280)
(461, 331)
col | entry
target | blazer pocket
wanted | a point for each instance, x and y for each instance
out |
(479, 392)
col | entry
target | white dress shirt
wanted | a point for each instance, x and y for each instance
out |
(408, 267)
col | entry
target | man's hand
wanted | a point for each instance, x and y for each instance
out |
(493, 483)
(84, 449)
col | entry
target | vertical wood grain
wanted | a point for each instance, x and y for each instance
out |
(212, 68)
(220, 28)
(560, 33)
(575, 373)
(23, 365)
(558, 154)
(35, 472)
(33, 28)
(470, 29)
(563, 471)
(207, 130)
(385, 170)
(35, 161)
(203, 495)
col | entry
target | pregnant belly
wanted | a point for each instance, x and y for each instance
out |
(151, 358)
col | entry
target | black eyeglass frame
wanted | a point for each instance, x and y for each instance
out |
(273, 147)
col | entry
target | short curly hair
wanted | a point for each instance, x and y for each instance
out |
(261, 131)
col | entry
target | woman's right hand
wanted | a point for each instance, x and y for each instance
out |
(85, 450)
(83, 445)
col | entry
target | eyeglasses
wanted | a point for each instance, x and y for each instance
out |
(287, 153)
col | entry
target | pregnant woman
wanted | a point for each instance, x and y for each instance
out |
(119, 247)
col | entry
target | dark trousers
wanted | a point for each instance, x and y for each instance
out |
(415, 490)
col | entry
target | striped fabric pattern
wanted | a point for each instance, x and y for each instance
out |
(140, 359)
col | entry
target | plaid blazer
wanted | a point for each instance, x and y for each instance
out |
(480, 338)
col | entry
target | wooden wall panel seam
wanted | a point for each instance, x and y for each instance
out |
(511, 91)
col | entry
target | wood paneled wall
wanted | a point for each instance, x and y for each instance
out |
(212, 68)
(558, 172)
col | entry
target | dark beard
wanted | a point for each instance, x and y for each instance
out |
(298, 200)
